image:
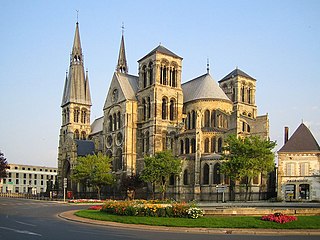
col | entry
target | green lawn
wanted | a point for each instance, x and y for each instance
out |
(304, 222)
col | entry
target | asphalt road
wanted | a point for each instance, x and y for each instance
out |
(30, 219)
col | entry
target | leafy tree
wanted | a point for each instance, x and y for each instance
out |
(159, 168)
(130, 184)
(93, 170)
(3, 166)
(246, 158)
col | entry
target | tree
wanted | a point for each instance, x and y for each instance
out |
(3, 166)
(130, 184)
(159, 168)
(93, 170)
(246, 158)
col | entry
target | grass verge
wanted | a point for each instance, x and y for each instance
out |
(303, 222)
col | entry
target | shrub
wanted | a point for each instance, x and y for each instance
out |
(194, 212)
(279, 218)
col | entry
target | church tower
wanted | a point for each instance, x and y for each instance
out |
(76, 106)
(160, 102)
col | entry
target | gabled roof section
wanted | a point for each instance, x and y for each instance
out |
(234, 73)
(161, 49)
(203, 87)
(301, 140)
(97, 126)
(127, 86)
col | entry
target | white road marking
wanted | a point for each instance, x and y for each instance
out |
(28, 224)
(21, 231)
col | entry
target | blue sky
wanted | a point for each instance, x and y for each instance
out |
(276, 42)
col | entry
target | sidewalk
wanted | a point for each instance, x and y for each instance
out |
(69, 215)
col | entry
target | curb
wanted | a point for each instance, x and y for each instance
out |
(69, 215)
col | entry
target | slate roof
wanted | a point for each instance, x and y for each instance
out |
(97, 126)
(234, 73)
(203, 87)
(129, 85)
(163, 50)
(301, 140)
(84, 147)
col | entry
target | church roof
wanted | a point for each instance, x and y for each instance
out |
(234, 73)
(161, 49)
(97, 126)
(84, 147)
(203, 87)
(129, 85)
(301, 140)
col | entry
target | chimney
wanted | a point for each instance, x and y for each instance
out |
(286, 134)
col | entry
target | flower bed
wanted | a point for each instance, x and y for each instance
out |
(151, 209)
(95, 207)
(86, 201)
(279, 218)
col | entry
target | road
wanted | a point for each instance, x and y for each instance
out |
(31, 219)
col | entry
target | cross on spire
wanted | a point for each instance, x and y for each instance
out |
(77, 15)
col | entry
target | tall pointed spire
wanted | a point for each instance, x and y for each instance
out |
(122, 60)
(77, 85)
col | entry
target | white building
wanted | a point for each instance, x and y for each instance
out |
(27, 179)
(299, 167)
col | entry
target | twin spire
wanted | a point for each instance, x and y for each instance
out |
(122, 65)
(76, 88)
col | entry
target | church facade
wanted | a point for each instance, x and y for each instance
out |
(155, 111)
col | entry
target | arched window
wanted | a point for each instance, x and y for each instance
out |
(64, 116)
(83, 115)
(164, 75)
(220, 145)
(249, 94)
(76, 114)
(213, 119)
(150, 73)
(83, 135)
(187, 148)
(144, 73)
(164, 141)
(144, 110)
(114, 121)
(119, 120)
(172, 108)
(181, 146)
(185, 177)
(242, 94)
(206, 145)
(110, 122)
(148, 108)
(147, 142)
(193, 145)
(143, 143)
(194, 119)
(118, 160)
(205, 174)
(213, 144)
(216, 174)
(76, 134)
(207, 118)
(189, 121)
(161, 77)
(164, 108)
(68, 115)
(174, 77)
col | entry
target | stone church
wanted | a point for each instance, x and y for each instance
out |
(156, 111)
